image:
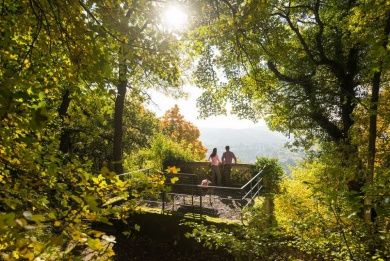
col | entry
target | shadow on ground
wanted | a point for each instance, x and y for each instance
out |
(160, 237)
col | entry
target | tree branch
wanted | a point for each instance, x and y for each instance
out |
(35, 36)
(299, 35)
(336, 67)
(230, 6)
(315, 110)
(320, 32)
(86, 9)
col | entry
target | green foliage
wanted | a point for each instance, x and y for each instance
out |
(259, 237)
(162, 152)
(272, 173)
(311, 69)
(140, 124)
(92, 135)
(58, 64)
(47, 213)
(293, 64)
(245, 243)
(321, 206)
(314, 215)
(318, 214)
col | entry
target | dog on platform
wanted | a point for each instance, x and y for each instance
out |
(205, 183)
(206, 190)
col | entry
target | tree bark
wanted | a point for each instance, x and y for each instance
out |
(65, 141)
(375, 89)
(118, 115)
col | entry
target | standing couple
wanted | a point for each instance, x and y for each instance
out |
(227, 160)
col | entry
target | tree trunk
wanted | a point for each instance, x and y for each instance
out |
(376, 81)
(65, 142)
(269, 206)
(371, 145)
(118, 115)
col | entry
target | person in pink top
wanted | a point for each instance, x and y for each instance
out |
(215, 162)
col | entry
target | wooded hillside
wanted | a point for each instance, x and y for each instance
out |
(75, 129)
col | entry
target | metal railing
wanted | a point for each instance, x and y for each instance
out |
(244, 194)
(189, 185)
(253, 189)
(136, 171)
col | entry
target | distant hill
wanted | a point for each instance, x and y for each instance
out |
(247, 144)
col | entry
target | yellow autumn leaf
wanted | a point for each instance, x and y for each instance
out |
(94, 244)
(173, 170)
(15, 254)
(173, 180)
(26, 64)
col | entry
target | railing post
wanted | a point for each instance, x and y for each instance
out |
(252, 190)
(200, 204)
(163, 201)
(193, 207)
(242, 205)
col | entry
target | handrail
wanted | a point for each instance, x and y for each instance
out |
(260, 171)
(258, 182)
(184, 174)
(219, 187)
(204, 187)
(249, 191)
(135, 171)
(257, 193)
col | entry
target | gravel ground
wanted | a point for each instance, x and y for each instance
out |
(212, 205)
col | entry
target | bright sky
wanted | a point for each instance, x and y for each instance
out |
(175, 18)
(161, 103)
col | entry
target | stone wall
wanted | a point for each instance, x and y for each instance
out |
(240, 173)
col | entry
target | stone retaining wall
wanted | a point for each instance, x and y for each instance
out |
(240, 173)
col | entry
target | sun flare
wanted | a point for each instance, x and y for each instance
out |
(175, 18)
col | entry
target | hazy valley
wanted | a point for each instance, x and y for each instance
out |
(247, 144)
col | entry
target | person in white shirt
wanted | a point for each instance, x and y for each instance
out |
(227, 161)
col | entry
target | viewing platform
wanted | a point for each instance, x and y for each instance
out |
(187, 194)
